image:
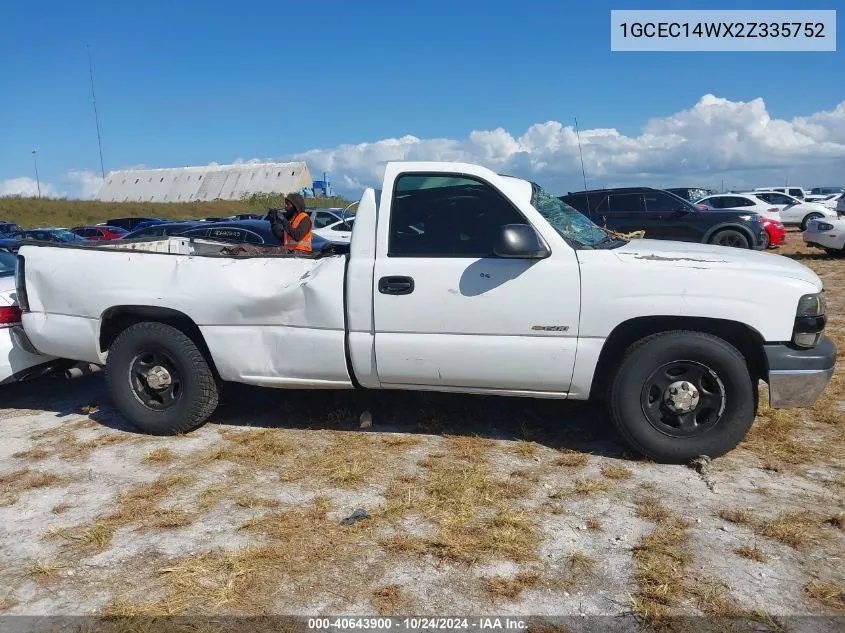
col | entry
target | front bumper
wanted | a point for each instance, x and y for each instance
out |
(797, 377)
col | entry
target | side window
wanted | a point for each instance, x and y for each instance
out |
(714, 203)
(253, 238)
(796, 193)
(447, 216)
(201, 232)
(626, 203)
(659, 202)
(322, 220)
(577, 201)
(743, 202)
(778, 198)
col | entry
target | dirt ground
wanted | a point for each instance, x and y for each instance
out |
(476, 505)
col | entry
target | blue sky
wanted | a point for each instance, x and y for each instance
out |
(185, 82)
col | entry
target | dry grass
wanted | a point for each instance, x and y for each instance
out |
(136, 506)
(616, 472)
(664, 577)
(43, 572)
(472, 449)
(16, 482)
(7, 603)
(468, 505)
(511, 588)
(751, 553)
(573, 460)
(524, 449)
(652, 509)
(34, 454)
(160, 456)
(827, 593)
(738, 516)
(795, 529)
(400, 441)
(593, 525)
(39, 212)
(61, 508)
(266, 448)
(582, 488)
(837, 520)
(249, 501)
(168, 519)
(386, 599)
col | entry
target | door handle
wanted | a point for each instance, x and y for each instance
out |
(396, 285)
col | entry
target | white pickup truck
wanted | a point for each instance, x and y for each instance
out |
(457, 279)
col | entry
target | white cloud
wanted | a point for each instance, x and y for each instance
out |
(716, 139)
(88, 182)
(27, 188)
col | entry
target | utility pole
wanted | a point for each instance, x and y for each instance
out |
(96, 116)
(37, 179)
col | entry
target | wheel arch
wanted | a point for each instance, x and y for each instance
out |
(117, 318)
(728, 226)
(748, 341)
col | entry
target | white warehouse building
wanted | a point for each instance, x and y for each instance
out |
(212, 182)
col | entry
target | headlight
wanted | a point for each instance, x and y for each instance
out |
(824, 226)
(810, 320)
(812, 305)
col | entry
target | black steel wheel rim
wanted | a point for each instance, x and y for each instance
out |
(703, 416)
(731, 239)
(143, 369)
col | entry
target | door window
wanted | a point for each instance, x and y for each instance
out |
(447, 216)
(626, 203)
(659, 202)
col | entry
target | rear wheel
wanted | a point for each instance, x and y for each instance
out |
(767, 241)
(681, 394)
(160, 380)
(730, 237)
(806, 220)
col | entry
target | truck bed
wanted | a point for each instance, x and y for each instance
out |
(273, 320)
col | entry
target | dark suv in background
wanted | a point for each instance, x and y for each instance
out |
(665, 216)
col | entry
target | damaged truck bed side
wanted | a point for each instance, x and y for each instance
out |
(457, 279)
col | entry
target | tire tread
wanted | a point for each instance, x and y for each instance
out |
(203, 406)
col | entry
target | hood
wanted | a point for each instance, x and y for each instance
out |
(698, 256)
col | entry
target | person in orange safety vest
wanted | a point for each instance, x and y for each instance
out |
(294, 228)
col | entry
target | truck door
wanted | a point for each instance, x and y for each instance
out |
(447, 312)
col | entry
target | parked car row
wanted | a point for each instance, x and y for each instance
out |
(749, 219)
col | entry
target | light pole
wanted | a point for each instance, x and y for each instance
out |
(37, 180)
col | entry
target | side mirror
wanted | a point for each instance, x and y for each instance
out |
(520, 241)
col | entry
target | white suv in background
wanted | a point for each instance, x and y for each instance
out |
(793, 211)
(743, 202)
(795, 192)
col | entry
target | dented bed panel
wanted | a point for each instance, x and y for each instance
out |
(267, 304)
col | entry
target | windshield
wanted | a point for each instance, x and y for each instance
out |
(67, 236)
(575, 227)
(7, 264)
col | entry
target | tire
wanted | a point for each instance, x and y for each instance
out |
(767, 241)
(808, 217)
(185, 401)
(835, 252)
(730, 237)
(725, 410)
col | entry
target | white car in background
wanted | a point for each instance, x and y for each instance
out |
(337, 232)
(794, 211)
(742, 202)
(18, 359)
(830, 201)
(826, 233)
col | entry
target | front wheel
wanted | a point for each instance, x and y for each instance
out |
(678, 395)
(730, 237)
(160, 380)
